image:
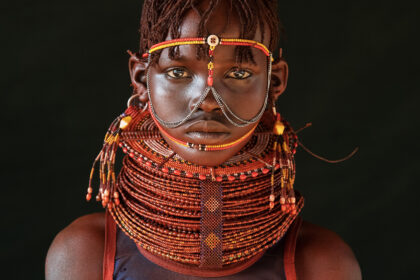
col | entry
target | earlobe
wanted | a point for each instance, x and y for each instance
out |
(137, 68)
(279, 76)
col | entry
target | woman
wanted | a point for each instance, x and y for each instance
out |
(206, 188)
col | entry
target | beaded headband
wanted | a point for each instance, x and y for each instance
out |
(212, 41)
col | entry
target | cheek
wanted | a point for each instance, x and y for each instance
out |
(171, 99)
(245, 99)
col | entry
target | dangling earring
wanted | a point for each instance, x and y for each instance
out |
(282, 158)
(142, 106)
(106, 157)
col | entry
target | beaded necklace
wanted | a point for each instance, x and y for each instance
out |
(205, 217)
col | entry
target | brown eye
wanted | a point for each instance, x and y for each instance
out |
(239, 74)
(178, 73)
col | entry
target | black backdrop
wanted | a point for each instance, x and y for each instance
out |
(352, 74)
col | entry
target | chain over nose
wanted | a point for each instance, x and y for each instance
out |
(209, 104)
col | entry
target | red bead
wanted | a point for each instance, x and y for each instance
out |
(211, 71)
(189, 175)
(265, 170)
(283, 208)
(294, 212)
(210, 81)
(88, 196)
(165, 170)
(177, 172)
(211, 52)
(277, 166)
(121, 144)
(125, 150)
(271, 205)
(295, 144)
(231, 178)
(139, 159)
(202, 177)
(219, 179)
(149, 163)
(131, 154)
(294, 151)
(242, 177)
(254, 174)
(145, 55)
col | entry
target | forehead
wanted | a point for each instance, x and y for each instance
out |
(223, 22)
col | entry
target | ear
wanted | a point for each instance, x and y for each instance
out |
(279, 76)
(137, 67)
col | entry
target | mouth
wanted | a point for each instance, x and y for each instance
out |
(207, 132)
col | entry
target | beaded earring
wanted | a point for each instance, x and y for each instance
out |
(284, 158)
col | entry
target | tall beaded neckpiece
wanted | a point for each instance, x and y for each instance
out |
(208, 218)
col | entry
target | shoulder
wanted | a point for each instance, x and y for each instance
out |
(322, 254)
(77, 251)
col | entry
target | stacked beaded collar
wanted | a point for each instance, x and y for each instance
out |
(212, 41)
(159, 200)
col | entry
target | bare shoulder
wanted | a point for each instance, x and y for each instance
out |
(77, 251)
(322, 254)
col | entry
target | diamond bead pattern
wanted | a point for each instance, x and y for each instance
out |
(212, 240)
(212, 204)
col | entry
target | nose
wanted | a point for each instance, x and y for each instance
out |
(209, 104)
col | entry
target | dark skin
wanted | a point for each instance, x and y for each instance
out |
(77, 251)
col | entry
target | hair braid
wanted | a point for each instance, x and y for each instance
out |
(162, 17)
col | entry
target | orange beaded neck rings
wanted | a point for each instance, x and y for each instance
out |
(212, 41)
(209, 218)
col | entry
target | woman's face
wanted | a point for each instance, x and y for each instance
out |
(176, 86)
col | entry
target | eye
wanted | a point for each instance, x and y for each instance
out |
(178, 73)
(239, 74)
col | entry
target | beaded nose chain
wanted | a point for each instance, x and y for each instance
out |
(213, 41)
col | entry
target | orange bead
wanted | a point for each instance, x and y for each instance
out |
(88, 197)
(210, 81)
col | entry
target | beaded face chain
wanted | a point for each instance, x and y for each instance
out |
(158, 199)
(213, 41)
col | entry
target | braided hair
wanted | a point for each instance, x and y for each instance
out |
(162, 17)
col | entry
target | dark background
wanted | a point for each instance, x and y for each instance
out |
(353, 74)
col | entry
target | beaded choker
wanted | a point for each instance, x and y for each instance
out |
(208, 218)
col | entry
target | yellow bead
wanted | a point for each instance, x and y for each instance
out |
(125, 122)
(285, 147)
(278, 128)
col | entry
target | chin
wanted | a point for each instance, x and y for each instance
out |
(205, 158)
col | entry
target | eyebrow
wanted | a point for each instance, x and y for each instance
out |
(185, 59)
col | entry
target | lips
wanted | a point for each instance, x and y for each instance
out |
(207, 132)
(208, 126)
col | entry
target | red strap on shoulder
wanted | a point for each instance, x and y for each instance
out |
(289, 249)
(110, 247)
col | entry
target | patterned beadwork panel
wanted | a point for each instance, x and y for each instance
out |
(211, 225)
